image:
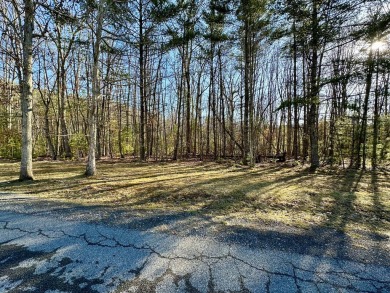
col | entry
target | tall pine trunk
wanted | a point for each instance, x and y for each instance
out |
(314, 91)
(295, 98)
(376, 122)
(142, 125)
(246, 127)
(361, 161)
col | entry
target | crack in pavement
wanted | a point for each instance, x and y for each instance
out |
(43, 253)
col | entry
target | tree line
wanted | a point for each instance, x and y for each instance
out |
(176, 79)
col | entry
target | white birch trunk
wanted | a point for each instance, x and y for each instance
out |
(26, 97)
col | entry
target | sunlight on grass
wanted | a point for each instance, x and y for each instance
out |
(229, 193)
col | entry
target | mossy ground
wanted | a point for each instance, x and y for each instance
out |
(348, 200)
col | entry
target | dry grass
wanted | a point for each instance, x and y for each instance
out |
(344, 200)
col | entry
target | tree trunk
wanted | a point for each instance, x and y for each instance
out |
(246, 131)
(64, 129)
(26, 97)
(47, 133)
(363, 130)
(222, 101)
(179, 107)
(91, 164)
(141, 86)
(314, 91)
(295, 97)
(119, 107)
(187, 61)
(376, 120)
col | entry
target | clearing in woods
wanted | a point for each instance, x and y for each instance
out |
(353, 201)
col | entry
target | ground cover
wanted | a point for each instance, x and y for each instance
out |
(347, 200)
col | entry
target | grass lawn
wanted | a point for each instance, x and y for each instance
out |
(348, 200)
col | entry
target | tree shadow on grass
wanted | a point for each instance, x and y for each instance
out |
(328, 239)
(343, 210)
(347, 211)
(379, 208)
(41, 185)
(15, 184)
(230, 192)
(346, 214)
(316, 241)
(381, 215)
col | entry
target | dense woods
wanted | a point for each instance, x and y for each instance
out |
(177, 79)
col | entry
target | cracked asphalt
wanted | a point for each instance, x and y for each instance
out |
(54, 248)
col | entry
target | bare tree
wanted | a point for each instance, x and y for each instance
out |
(91, 164)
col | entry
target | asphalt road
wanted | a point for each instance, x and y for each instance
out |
(46, 247)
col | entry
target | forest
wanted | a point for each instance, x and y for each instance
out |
(248, 80)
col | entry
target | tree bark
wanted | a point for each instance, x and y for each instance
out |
(361, 161)
(376, 123)
(314, 91)
(142, 148)
(91, 164)
(295, 98)
(187, 61)
(246, 131)
(26, 98)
